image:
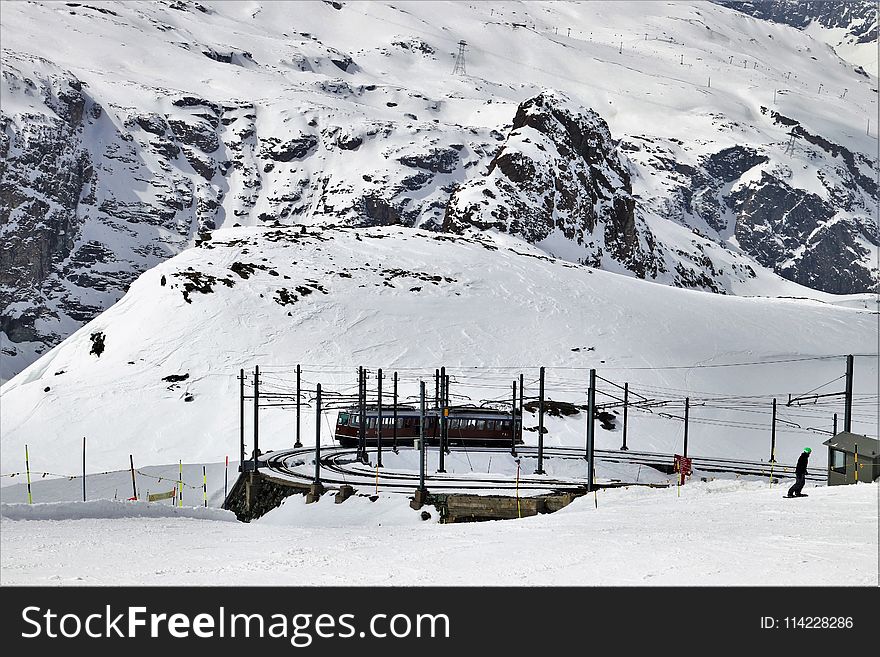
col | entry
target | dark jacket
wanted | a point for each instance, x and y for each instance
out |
(801, 467)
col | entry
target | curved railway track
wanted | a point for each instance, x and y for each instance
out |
(339, 466)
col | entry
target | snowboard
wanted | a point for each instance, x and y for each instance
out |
(791, 497)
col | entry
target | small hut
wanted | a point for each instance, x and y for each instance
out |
(852, 458)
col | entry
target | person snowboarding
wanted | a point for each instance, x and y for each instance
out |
(800, 473)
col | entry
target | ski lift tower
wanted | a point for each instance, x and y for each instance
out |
(459, 68)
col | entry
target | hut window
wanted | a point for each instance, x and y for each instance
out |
(838, 461)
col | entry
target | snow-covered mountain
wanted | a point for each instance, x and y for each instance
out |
(848, 27)
(156, 374)
(697, 145)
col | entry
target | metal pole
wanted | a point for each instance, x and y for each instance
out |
(773, 435)
(847, 408)
(84, 468)
(835, 424)
(446, 422)
(298, 442)
(687, 405)
(521, 414)
(436, 388)
(318, 436)
(241, 416)
(540, 469)
(379, 425)
(625, 410)
(442, 420)
(591, 429)
(513, 421)
(394, 428)
(362, 406)
(422, 436)
(205, 484)
(134, 492)
(27, 465)
(256, 415)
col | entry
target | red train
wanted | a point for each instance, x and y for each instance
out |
(467, 425)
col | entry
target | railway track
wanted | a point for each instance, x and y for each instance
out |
(340, 466)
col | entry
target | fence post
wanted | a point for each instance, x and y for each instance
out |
(625, 414)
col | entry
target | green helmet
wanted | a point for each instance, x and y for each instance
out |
(807, 450)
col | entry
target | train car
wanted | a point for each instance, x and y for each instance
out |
(466, 425)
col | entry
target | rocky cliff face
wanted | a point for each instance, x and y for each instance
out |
(558, 178)
(153, 124)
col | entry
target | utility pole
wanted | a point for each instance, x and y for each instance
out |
(773, 435)
(687, 405)
(256, 415)
(436, 388)
(459, 68)
(362, 404)
(513, 421)
(834, 433)
(379, 422)
(591, 429)
(442, 420)
(625, 409)
(521, 413)
(298, 442)
(422, 437)
(540, 469)
(241, 416)
(848, 395)
(394, 417)
(316, 488)
(446, 422)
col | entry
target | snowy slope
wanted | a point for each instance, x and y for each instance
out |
(720, 533)
(165, 120)
(485, 305)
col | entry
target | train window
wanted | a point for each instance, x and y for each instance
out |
(453, 423)
(481, 424)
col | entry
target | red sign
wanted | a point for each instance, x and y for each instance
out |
(683, 466)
